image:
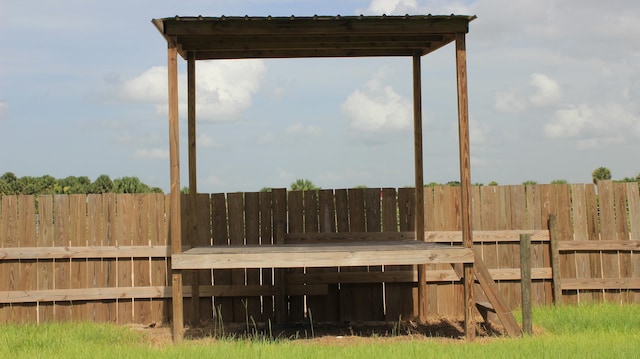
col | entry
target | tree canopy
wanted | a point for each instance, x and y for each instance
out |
(28, 185)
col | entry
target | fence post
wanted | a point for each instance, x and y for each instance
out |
(525, 282)
(555, 259)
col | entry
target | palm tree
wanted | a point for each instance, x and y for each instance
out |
(303, 185)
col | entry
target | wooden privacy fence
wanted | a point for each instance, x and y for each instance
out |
(105, 257)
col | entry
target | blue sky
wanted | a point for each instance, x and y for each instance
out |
(553, 94)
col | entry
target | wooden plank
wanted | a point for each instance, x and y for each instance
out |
(604, 283)
(61, 267)
(311, 225)
(320, 217)
(125, 232)
(622, 229)
(142, 265)
(432, 224)
(446, 203)
(373, 220)
(342, 226)
(633, 198)
(189, 278)
(509, 253)
(407, 223)
(479, 236)
(9, 238)
(608, 231)
(235, 203)
(266, 238)
(158, 236)
(155, 292)
(398, 297)
(94, 221)
(300, 256)
(493, 295)
(593, 225)
(219, 231)
(279, 228)
(633, 202)
(581, 233)
(542, 290)
(525, 269)
(604, 245)
(295, 213)
(409, 276)
(357, 301)
(78, 238)
(45, 267)
(252, 230)
(109, 267)
(28, 271)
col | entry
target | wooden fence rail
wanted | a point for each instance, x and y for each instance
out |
(106, 257)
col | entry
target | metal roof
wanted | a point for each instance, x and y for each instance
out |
(232, 37)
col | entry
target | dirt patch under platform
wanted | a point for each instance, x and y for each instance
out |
(442, 328)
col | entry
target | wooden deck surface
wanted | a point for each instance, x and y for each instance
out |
(320, 255)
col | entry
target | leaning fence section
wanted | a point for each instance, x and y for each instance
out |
(106, 258)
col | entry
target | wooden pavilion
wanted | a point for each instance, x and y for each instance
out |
(210, 38)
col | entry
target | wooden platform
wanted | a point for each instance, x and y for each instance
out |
(321, 255)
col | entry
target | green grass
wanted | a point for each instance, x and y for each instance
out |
(588, 331)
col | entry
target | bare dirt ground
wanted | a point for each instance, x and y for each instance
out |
(441, 328)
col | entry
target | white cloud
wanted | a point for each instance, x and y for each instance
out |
(543, 92)
(548, 90)
(214, 180)
(151, 154)
(223, 88)
(205, 141)
(401, 7)
(148, 87)
(477, 133)
(594, 126)
(4, 110)
(301, 129)
(509, 101)
(377, 108)
(268, 138)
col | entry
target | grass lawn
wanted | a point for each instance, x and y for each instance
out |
(587, 331)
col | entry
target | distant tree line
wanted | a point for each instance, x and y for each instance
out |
(11, 184)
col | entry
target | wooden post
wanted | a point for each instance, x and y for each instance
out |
(175, 222)
(465, 182)
(555, 259)
(525, 282)
(419, 182)
(193, 188)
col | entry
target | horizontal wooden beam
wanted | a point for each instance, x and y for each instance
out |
(430, 236)
(440, 275)
(33, 253)
(600, 283)
(154, 292)
(320, 255)
(608, 245)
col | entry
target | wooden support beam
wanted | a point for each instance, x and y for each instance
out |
(465, 180)
(525, 283)
(175, 221)
(419, 181)
(193, 187)
(491, 291)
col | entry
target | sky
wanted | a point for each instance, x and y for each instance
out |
(553, 94)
